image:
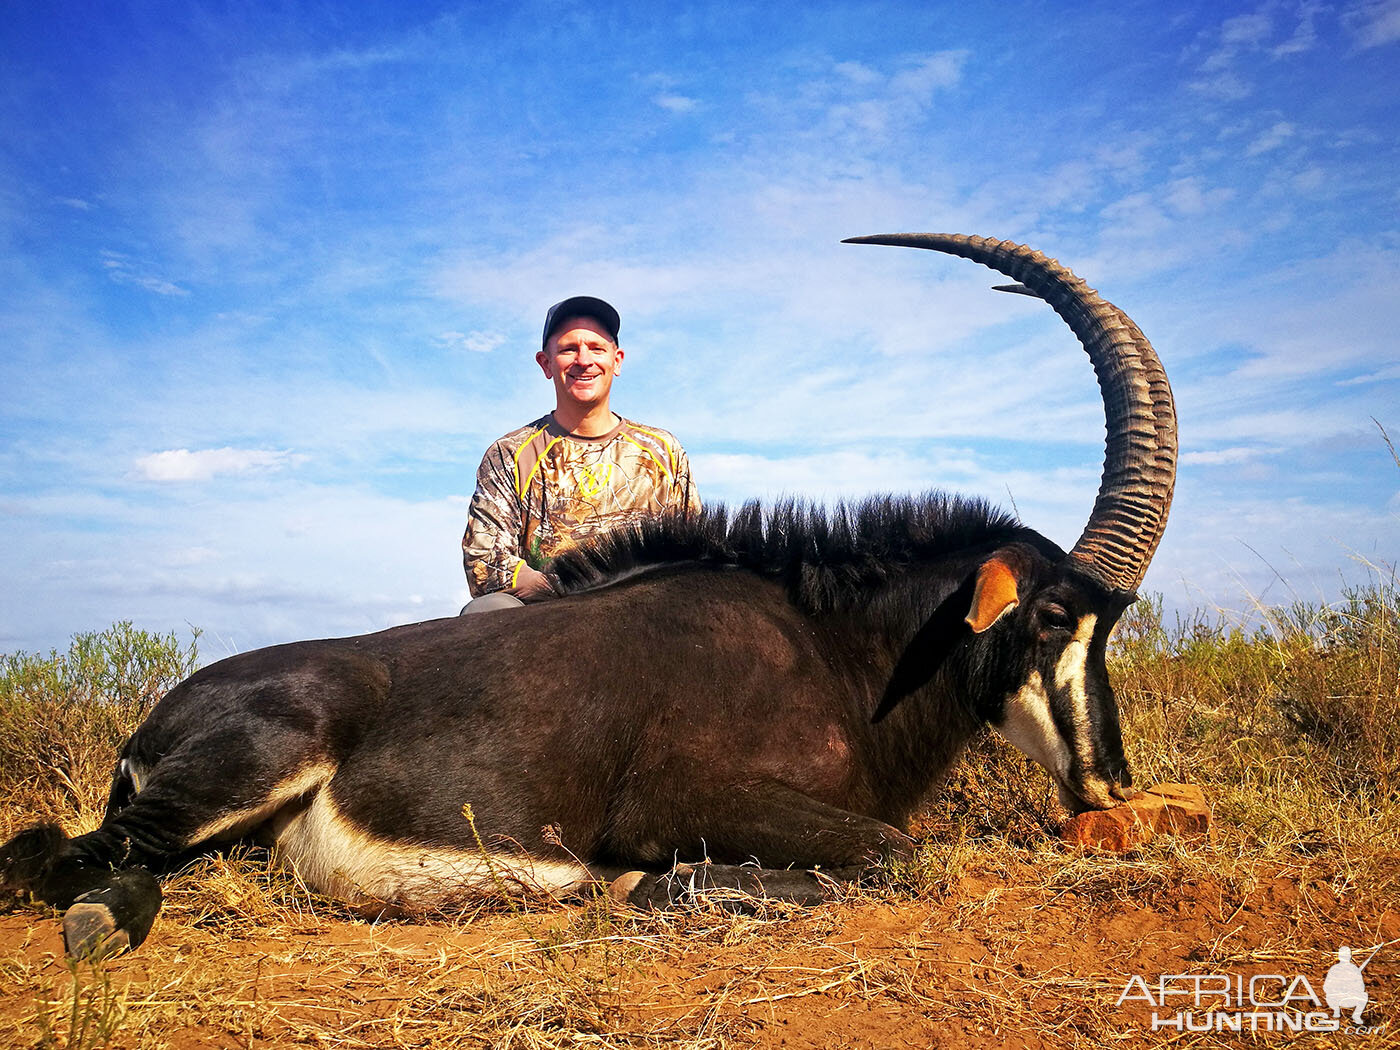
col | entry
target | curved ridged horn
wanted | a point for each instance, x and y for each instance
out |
(1139, 469)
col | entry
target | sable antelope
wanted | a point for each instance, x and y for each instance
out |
(777, 688)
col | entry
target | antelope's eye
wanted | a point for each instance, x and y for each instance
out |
(1056, 617)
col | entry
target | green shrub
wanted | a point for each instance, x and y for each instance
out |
(1340, 683)
(64, 716)
(1293, 723)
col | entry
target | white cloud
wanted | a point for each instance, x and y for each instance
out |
(1221, 76)
(124, 270)
(1321, 317)
(475, 342)
(1271, 139)
(1304, 36)
(1374, 23)
(1392, 372)
(180, 464)
(1136, 217)
(1224, 87)
(1125, 158)
(1251, 29)
(182, 557)
(1309, 180)
(869, 105)
(277, 563)
(1236, 551)
(942, 69)
(676, 103)
(857, 72)
(1220, 456)
(75, 203)
(1190, 196)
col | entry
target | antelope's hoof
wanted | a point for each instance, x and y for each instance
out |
(90, 932)
(112, 918)
(620, 890)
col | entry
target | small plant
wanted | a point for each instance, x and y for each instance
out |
(89, 1016)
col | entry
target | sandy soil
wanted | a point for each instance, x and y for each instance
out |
(1000, 957)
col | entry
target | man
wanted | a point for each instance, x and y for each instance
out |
(580, 469)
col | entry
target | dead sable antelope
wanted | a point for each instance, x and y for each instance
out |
(774, 693)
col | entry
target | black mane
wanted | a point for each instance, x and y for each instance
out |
(827, 557)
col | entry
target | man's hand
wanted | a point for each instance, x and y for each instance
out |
(531, 585)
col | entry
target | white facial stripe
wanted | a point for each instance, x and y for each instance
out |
(336, 857)
(1069, 677)
(241, 821)
(1028, 726)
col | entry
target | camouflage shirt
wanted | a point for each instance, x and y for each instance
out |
(540, 488)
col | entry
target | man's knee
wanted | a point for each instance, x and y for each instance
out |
(491, 602)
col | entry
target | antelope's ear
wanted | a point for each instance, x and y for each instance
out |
(994, 596)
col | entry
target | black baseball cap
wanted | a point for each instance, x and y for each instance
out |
(581, 306)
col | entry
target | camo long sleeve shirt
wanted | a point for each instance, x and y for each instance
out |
(540, 488)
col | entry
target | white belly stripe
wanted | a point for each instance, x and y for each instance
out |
(334, 856)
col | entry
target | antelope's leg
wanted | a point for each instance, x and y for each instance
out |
(778, 827)
(769, 841)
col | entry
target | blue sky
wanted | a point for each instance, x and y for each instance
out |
(273, 277)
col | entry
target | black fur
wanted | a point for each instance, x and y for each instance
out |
(828, 559)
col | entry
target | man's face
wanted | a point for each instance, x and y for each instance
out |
(582, 361)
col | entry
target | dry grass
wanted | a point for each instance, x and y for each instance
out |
(995, 934)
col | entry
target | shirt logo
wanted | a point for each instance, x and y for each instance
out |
(592, 481)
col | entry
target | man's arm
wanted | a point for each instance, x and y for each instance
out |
(491, 548)
(685, 497)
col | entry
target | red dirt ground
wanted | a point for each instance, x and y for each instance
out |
(999, 960)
